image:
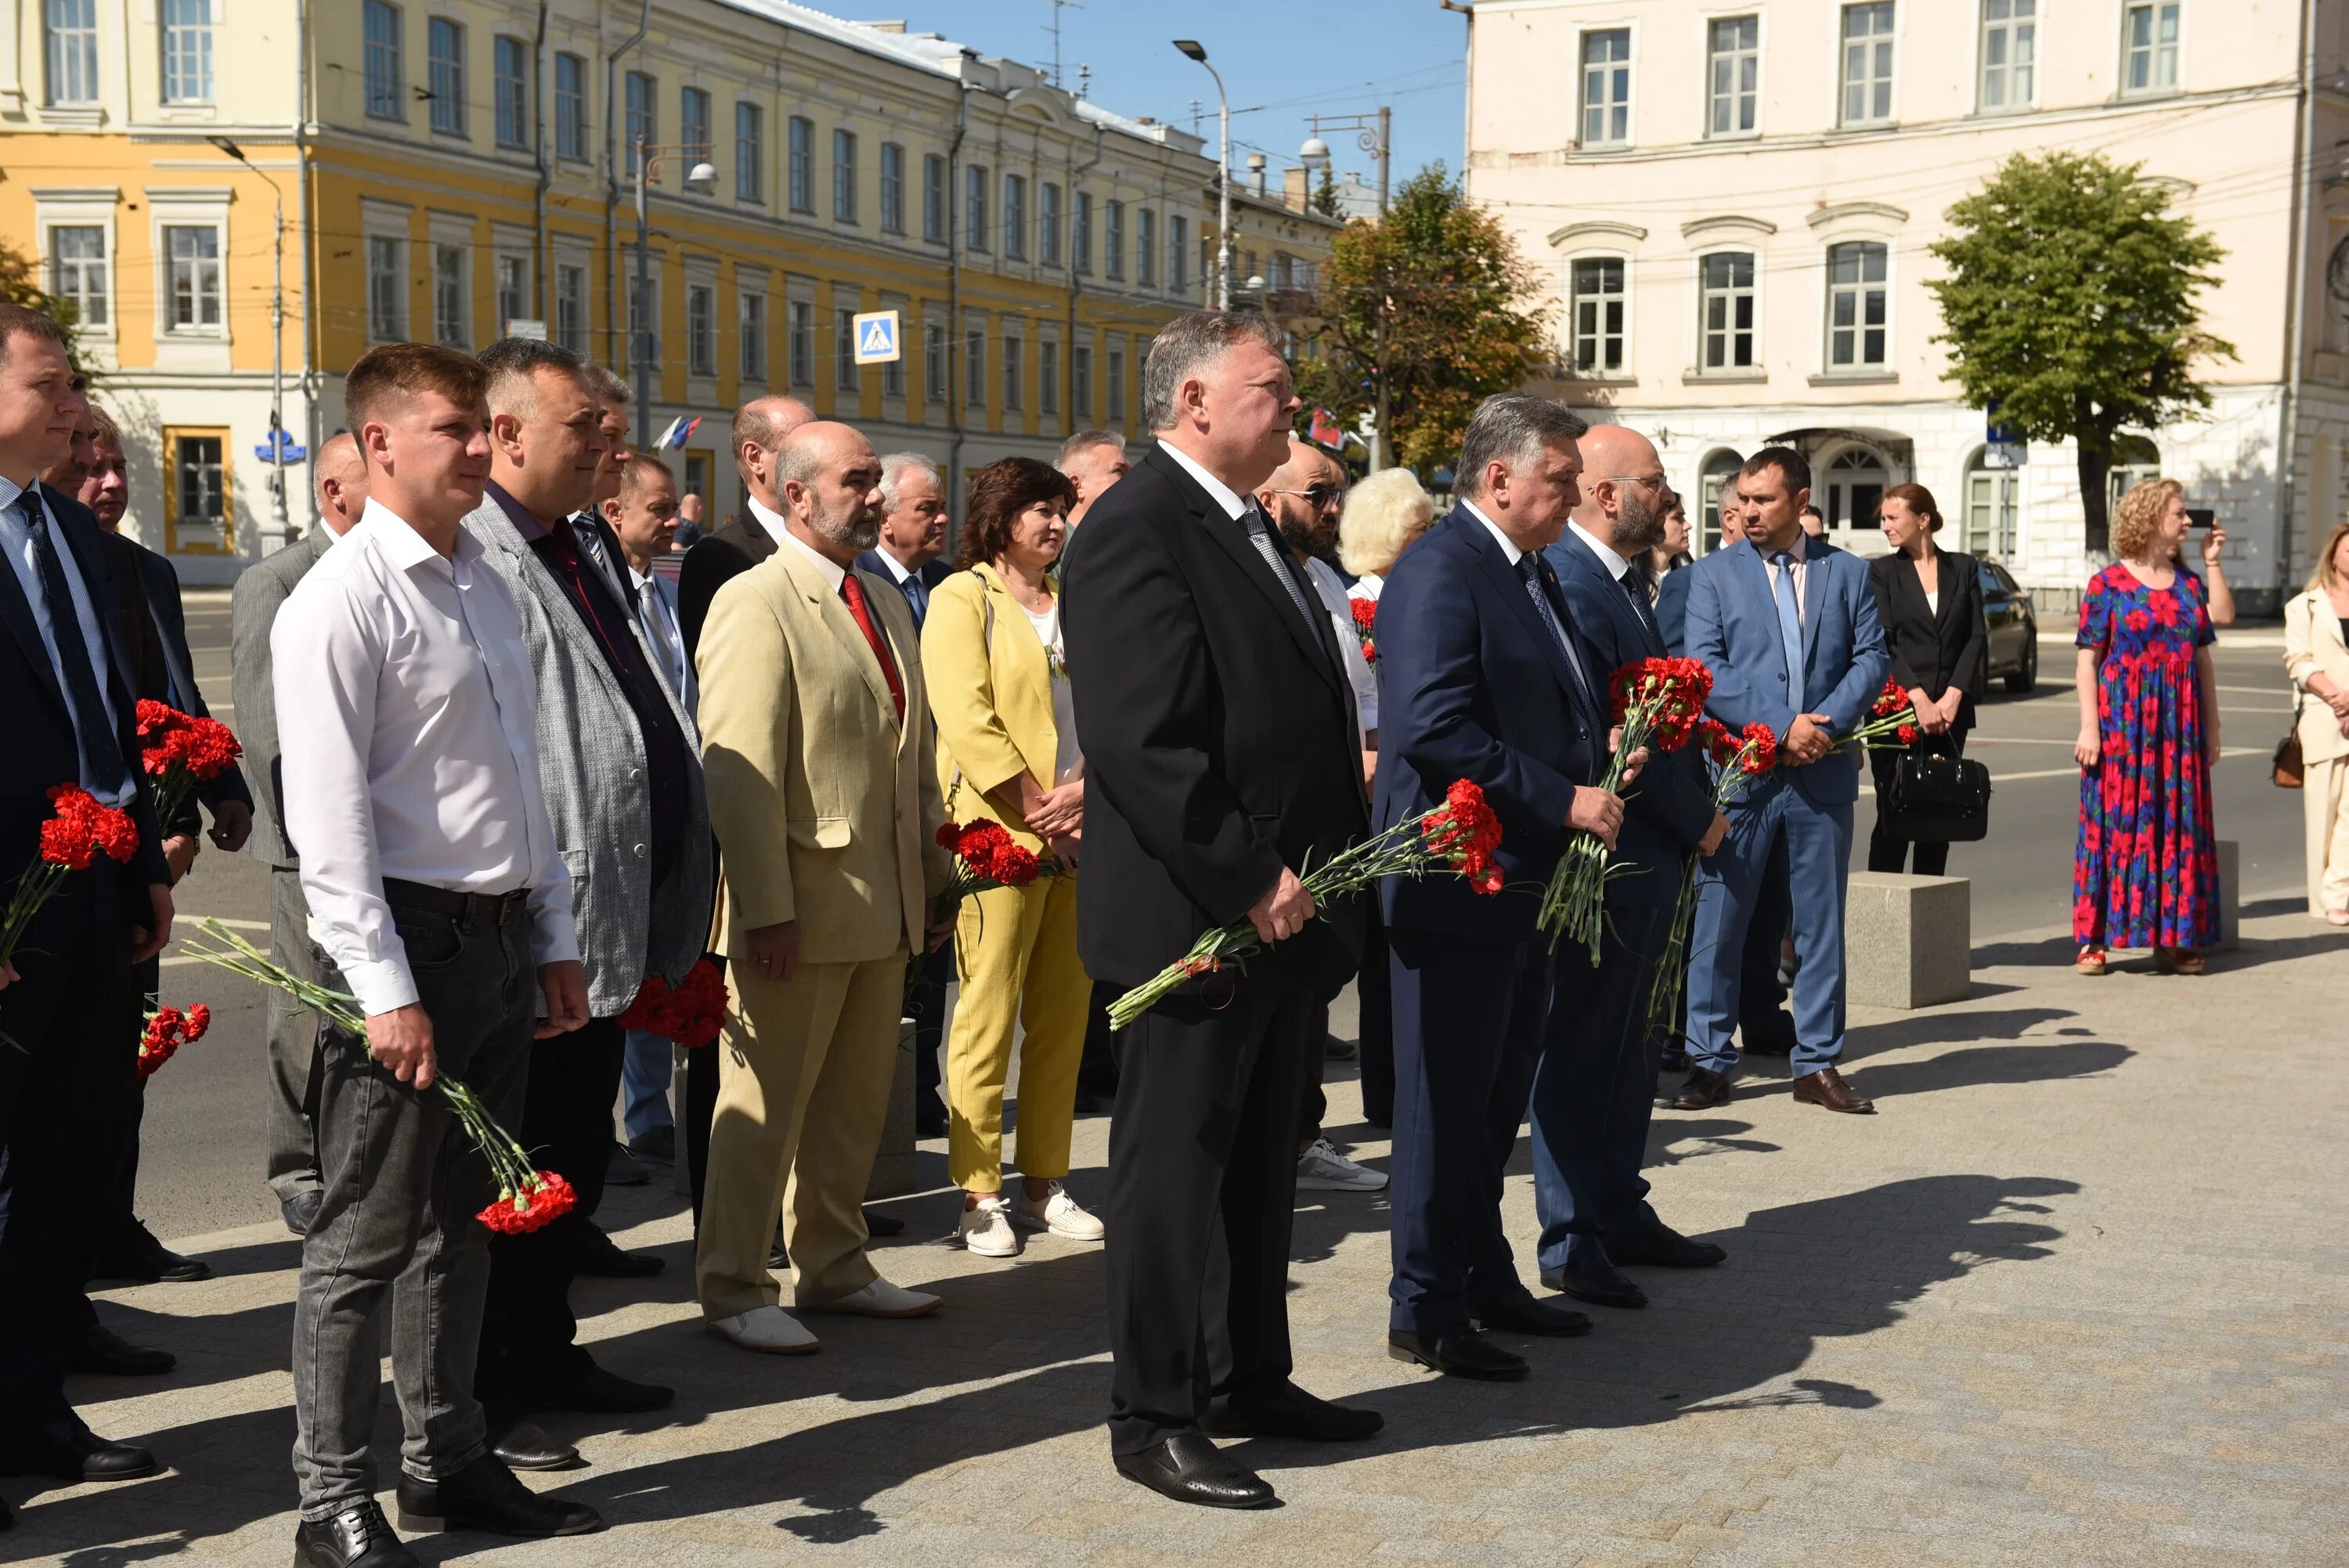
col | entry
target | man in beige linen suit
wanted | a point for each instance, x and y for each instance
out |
(816, 743)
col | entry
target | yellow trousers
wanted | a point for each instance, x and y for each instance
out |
(803, 1076)
(1016, 949)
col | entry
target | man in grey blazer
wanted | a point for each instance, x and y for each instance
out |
(290, 1115)
(619, 767)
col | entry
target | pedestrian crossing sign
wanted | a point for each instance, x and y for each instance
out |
(876, 337)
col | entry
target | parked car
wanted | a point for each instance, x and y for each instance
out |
(2013, 629)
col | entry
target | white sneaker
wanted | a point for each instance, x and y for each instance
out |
(879, 1299)
(1058, 1212)
(985, 1229)
(1321, 1169)
(769, 1330)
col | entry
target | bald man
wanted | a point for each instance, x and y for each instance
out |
(289, 1116)
(760, 428)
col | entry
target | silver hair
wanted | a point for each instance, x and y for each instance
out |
(1187, 346)
(894, 469)
(1513, 429)
(513, 363)
(1384, 514)
(605, 386)
(1084, 441)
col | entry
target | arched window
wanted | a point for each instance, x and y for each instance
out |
(1855, 483)
(1719, 467)
(2135, 461)
(1993, 510)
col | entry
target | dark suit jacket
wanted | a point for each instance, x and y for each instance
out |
(142, 641)
(931, 573)
(1218, 730)
(1472, 685)
(1935, 650)
(171, 616)
(1670, 806)
(1671, 610)
(709, 565)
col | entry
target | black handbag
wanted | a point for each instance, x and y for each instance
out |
(1937, 800)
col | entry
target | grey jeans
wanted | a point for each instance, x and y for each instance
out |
(290, 1118)
(401, 1184)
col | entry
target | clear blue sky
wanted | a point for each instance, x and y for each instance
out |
(1280, 63)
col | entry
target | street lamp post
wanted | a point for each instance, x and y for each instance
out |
(1378, 140)
(277, 514)
(699, 177)
(1191, 47)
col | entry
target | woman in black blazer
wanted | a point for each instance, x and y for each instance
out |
(1929, 601)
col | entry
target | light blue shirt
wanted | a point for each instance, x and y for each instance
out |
(17, 540)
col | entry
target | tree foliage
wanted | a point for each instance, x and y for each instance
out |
(20, 283)
(1325, 195)
(1434, 303)
(2071, 307)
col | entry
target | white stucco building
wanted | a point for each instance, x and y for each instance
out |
(1733, 204)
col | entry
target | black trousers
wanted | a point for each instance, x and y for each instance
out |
(1097, 1071)
(1202, 1192)
(1888, 853)
(925, 1003)
(1374, 999)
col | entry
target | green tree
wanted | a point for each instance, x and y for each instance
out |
(1421, 316)
(20, 283)
(1325, 195)
(2070, 306)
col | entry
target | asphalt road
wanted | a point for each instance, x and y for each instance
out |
(201, 1166)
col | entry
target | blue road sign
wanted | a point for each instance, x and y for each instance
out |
(876, 337)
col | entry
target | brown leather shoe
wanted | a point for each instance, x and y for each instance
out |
(1704, 1089)
(1826, 1087)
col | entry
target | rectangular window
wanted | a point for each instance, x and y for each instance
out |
(1081, 381)
(187, 51)
(892, 188)
(1145, 248)
(1048, 224)
(934, 362)
(1857, 305)
(844, 176)
(196, 516)
(571, 307)
(1116, 387)
(802, 168)
(192, 255)
(693, 125)
(642, 125)
(1867, 63)
(571, 108)
(445, 67)
(1113, 239)
(1048, 376)
(510, 72)
(933, 199)
(1015, 367)
(843, 350)
(449, 292)
(974, 207)
(387, 86)
(1015, 216)
(802, 342)
(1734, 75)
(1726, 302)
(1178, 253)
(1599, 316)
(512, 276)
(701, 329)
(749, 153)
(753, 312)
(893, 371)
(77, 272)
(2149, 46)
(2009, 52)
(1606, 88)
(72, 28)
(974, 367)
(1080, 237)
(386, 299)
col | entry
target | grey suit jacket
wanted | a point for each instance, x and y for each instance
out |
(262, 590)
(591, 762)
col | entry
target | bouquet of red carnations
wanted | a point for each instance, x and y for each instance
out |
(1458, 836)
(80, 832)
(1657, 704)
(1366, 622)
(1737, 757)
(180, 751)
(985, 857)
(169, 1029)
(1891, 723)
(691, 1012)
(528, 1198)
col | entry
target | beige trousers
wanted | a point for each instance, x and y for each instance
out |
(2324, 803)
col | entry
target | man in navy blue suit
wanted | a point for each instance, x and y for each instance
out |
(1595, 1092)
(1788, 624)
(1480, 678)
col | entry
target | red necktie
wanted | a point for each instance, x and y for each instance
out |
(854, 591)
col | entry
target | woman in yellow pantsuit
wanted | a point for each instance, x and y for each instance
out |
(1008, 750)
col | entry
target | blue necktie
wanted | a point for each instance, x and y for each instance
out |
(918, 594)
(103, 770)
(1790, 625)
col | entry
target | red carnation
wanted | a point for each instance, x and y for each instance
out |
(78, 833)
(539, 1201)
(691, 1013)
(1763, 755)
(1366, 616)
(1012, 865)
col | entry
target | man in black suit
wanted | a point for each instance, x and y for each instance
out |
(73, 720)
(1221, 755)
(760, 427)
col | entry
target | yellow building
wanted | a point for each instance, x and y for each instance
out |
(450, 168)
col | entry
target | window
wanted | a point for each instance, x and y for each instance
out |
(187, 51)
(893, 371)
(1113, 239)
(512, 273)
(1015, 367)
(1720, 472)
(2149, 46)
(1116, 386)
(701, 329)
(1080, 237)
(77, 272)
(1081, 380)
(1178, 253)
(1598, 309)
(386, 88)
(196, 517)
(752, 308)
(934, 362)
(974, 367)
(571, 307)
(844, 176)
(1048, 376)
(510, 72)
(1857, 304)
(801, 168)
(1993, 499)
(1734, 80)
(1145, 248)
(72, 27)
(192, 254)
(974, 207)
(749, 153)
(1726, 305)
(802, 342)
(1606, 88)
(1867, 63)
(844, 347)
(892, 188)
(1015, 216)
(387, 298)
(1048, 224)
(449, 296)
(933, 199)
(693, 125)
(1855, 481)
(445, 65)
(571, 108)
(2010, 48)
(643, 127)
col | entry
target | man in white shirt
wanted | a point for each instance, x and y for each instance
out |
(435, 884)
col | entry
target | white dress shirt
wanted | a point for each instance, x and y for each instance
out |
(416, 754)
(769, 519)
(16, 543)
(1508, 546)
(1222, 493)
(1331, 588)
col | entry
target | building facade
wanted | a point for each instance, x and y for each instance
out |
(452, 169)
(1734, 205)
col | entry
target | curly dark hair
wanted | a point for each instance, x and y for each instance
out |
(999, 492)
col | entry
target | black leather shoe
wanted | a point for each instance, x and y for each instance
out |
(1769, 1034)
(69, 1452)
(1526, 1315)
(7, 1517)
(1588, 1275)
(597, 1254)
(933, 1123)
(1291, 1413)
(596, 1391)
(1661, 1247)
(94, 1347)
(882, 1224)
(358, 1537)
(1673, 1060)
(1459, 1352)
(621, 1169)
(525, 1446)
(1190, 1469)
(484, 1495)
(141, 1258)
(301, 1210)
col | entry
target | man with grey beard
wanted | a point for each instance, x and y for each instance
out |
(1595, 1093)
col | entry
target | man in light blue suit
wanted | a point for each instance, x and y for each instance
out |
(1788, 626)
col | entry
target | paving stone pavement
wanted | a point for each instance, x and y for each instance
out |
(2079, 1294)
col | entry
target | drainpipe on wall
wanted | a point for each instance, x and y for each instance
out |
(1076, 288)
(954, 288)
(612, 185)
(2287, 444)
(312, 425)
(542, 265)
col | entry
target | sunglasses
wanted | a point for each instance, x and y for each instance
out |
(1317, 496)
